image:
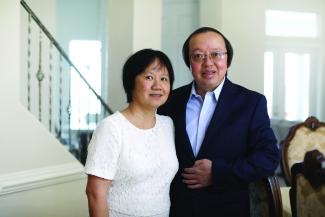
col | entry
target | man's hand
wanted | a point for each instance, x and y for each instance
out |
(199, 175)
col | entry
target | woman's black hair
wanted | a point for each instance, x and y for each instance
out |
(185, 50)
(138, 62)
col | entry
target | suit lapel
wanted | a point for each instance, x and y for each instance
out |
(220, 113)
(182, 121)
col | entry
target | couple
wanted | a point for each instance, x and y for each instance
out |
(138, 165)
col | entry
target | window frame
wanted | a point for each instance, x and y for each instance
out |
(279, 47)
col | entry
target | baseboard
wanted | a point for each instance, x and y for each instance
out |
(40, 177)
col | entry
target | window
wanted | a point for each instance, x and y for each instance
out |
(297, 69)
(289, 64)
(291, 24)
(86, 55)
(268, 80)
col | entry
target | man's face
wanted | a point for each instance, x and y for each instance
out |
(208, 60)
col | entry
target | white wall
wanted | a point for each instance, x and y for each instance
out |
(130, 28)
(120, 46)
(211, 13)
(147, 24)
(62, 200)
(25, 144)
(179, 19)
(78, 20)
(244, 27)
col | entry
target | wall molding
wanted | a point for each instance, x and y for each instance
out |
(40, 177)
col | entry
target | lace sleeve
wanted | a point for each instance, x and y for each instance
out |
(103, 151)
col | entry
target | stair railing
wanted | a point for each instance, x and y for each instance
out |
(51, 92)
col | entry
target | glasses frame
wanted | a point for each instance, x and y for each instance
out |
(214, 56)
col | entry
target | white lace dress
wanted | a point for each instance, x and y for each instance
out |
(141, 164)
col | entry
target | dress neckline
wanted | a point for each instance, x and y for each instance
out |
(135, 127)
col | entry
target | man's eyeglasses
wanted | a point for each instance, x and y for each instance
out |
(214, 56)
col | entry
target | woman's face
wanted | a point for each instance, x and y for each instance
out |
(152, 86)
(208, 72)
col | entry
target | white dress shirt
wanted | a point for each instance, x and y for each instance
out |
(198, 115)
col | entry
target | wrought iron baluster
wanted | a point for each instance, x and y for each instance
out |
(69, 112)
(40, 76)
(60, 97)
(28, 60)
(50, 85)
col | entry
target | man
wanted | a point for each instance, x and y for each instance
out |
(222, 134)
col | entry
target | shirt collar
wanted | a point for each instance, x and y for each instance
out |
(216, 92)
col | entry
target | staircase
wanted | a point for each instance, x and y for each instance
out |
(47, 73)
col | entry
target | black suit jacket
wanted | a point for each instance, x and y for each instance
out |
(238, 141)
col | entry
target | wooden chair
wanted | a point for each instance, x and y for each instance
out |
(301, 138)
(265, 198)
(307, 194)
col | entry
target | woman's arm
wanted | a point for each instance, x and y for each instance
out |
(97, 196)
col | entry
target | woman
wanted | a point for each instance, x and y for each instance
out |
(131, 157)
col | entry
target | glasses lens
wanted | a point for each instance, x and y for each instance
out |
(200, 57)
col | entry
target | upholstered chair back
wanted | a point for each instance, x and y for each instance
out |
(301, 138)
(307, 194)
(310, 199)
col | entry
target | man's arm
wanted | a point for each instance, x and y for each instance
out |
(261, 159)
